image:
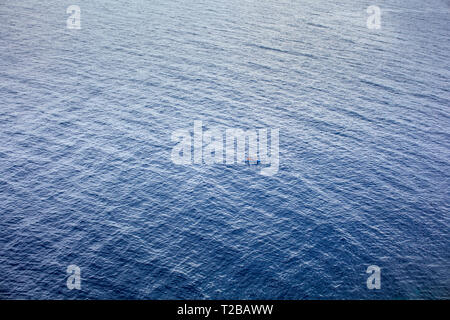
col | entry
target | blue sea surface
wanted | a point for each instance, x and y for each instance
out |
(86, 176)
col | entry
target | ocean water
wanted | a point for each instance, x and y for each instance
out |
(86, 176)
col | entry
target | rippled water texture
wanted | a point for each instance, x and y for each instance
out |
(86, 176)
